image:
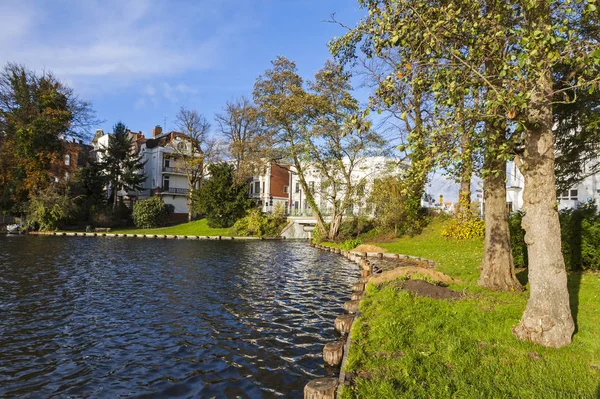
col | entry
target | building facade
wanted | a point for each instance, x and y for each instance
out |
(586, 192)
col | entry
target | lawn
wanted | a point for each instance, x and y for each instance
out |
(413, 347)
(195, 228)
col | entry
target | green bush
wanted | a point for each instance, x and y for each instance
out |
(151, 212)
(350, 243)
(462, 230)
(257, 224)
(50, 208)
(580, 235)
(517, 239)
(318, 236)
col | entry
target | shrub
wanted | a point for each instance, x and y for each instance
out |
(517, 239)
(255, 223)
(462, 230)
(580, 235)
(50, 208)
(151, 212)
(318, 236)
(350, 243)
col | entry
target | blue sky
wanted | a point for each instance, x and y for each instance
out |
(139, 61)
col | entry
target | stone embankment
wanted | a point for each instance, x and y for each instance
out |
(157, 236)
(375, 267)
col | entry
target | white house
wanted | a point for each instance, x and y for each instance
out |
(366, 171)
(165, 175)
(587, 191)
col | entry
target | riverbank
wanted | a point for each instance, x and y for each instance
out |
(407, 346)
(195, 228)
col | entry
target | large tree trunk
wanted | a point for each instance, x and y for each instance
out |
(497, 267)
(334, 226)
(547, 318)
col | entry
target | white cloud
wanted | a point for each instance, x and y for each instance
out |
(119, 42)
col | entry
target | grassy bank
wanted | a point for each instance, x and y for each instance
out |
(195, 228)
(414, 347)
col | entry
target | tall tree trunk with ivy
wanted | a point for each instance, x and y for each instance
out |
(547, 318)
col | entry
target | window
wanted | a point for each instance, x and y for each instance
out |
(263, 185)
(510, 207)
(166, 183)
(574, 194)
(67, 159)
(297, 187)
(256, 187)
(286, 189)
(153, 183)
(167, 162)
(311, 185)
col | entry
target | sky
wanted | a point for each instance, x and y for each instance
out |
(139, 61)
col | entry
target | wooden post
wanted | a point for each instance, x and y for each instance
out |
(358, 287)
(321, 388)
(333, 352)
(343, 323)
(357, 296)
(351, 307)
(365, 264)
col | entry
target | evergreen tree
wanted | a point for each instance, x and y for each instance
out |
(221, 198)
(120, 164)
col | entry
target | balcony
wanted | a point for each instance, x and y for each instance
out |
(176, 170)
(172, 191)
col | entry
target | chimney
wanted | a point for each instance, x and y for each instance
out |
(80, 141)
(156, 131)
(73, 140)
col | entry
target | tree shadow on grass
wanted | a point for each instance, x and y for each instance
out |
(522, 276)
(574, 284)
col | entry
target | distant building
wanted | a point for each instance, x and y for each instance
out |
(366, 171)
(271, 188)
(76, 156)
(587, 191)
(164, 170)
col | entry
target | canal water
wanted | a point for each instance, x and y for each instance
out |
(115, 317)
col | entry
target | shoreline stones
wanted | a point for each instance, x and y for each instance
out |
(336, 352)
(333, 352)
(343, 323)
(321, 388)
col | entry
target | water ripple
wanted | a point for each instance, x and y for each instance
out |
(97, 317)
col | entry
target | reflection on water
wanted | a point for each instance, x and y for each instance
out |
(108, 317)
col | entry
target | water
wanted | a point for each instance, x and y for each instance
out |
(115, 317)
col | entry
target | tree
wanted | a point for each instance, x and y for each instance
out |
(193, 154)
(120, 164)
(538, 36)
(221, 198)
(288, 112)
(240, 124)
(35, 111)
(335, 147)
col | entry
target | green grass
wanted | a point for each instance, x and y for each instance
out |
(195, 228)
(414, 347)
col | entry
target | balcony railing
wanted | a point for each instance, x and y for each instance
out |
(174, 169)
(171, 190)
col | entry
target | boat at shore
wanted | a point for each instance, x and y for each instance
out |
(13, 229)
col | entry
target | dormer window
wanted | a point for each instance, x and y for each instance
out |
(67, 160)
